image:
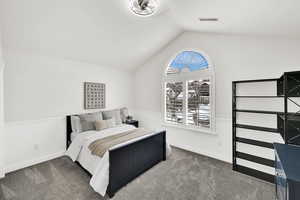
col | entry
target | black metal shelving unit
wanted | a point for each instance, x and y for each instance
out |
(288, 86)
(288, 123)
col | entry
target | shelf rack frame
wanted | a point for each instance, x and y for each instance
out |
(235, 139)
(288, 86)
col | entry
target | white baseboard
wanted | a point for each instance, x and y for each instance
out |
(28, 163)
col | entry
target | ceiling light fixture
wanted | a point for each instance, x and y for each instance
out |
(143, 7)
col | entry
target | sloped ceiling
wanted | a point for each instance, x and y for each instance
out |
(280, 18)
(96, 31)
(106, 33)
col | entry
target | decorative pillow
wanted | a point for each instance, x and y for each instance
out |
(104, 124)
(88, 120)
(101, 124)
(116, 114)
(75, 123)
(111, 122)
(124, 114)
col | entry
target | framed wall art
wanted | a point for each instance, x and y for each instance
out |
(94, 95)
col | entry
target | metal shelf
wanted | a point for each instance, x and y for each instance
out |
(258, 111)
(255, 173)
(288, 124)
(255, 81)
(257, 128)
(256, 159)
(291, 116)
(258, 97)
(255, 142)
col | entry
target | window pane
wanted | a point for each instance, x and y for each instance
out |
(187, 61)
(198, 112)
(174, 102)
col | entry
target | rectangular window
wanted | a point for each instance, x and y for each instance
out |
(174, 102)
(198, 103)
(188, 103)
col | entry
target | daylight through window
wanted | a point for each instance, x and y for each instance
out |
(187, 91)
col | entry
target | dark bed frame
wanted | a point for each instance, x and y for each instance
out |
(129, 161)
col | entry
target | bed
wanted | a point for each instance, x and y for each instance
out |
(121, 163)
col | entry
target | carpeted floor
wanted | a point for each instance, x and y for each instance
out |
(185, 176)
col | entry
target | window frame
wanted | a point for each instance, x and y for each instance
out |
(207, 73)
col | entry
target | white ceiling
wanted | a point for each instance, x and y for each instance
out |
(95, 31)
(106, 33)
(251, 17)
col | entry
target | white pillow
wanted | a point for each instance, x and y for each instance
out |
(75, 123)
(111, 122)
(116, 114)
(124, 114)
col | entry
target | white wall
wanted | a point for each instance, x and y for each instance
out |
(40, 91)
(1, 113)
(234, 58)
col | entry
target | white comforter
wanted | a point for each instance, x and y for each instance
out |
(98, 167)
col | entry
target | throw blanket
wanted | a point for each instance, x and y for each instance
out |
(99, 147)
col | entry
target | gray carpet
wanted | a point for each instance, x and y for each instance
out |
(185, 176)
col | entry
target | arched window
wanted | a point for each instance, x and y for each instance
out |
(187, 60)
(189, 91)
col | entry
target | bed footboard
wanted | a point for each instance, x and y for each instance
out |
(130, 161)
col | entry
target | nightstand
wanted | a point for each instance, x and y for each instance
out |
(133, 122)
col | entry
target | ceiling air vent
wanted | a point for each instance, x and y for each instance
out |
(208, 19)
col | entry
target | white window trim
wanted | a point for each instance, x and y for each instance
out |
(184, 77)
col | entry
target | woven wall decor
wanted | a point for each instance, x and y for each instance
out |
(94, 95)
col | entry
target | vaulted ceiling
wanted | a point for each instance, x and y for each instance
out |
(95, 31)
(107, 33)
(250, 17)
